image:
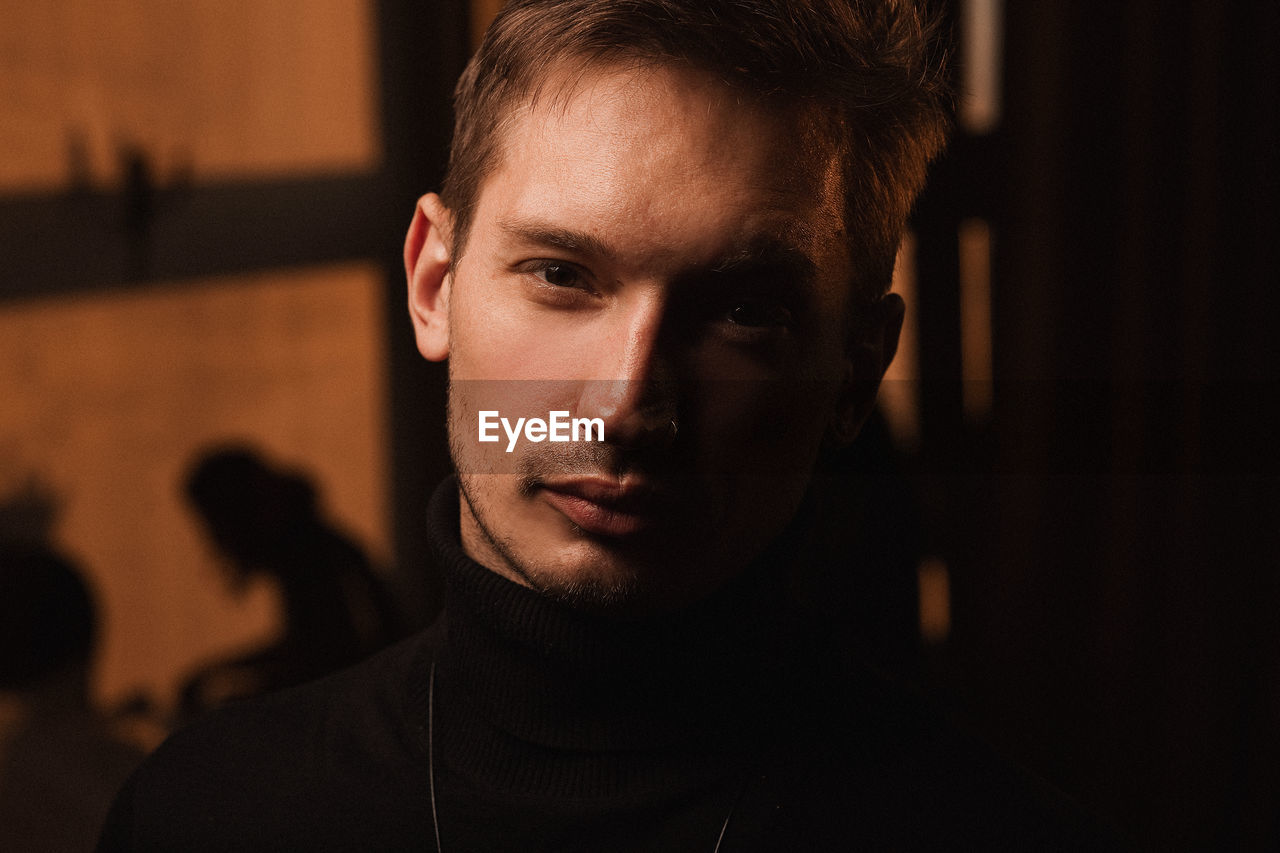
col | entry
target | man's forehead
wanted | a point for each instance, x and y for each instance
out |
(634, 83)
(579, 134)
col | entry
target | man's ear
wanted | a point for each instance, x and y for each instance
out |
(872, 346)
(429, 269)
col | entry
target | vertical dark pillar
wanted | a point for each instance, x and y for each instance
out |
(423, 47)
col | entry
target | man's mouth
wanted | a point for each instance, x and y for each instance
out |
(604, 507)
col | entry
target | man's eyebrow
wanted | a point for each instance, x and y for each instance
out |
(770, 255)
(537, 233)
(763, 254)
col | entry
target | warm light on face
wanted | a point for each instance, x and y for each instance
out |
(647, 254)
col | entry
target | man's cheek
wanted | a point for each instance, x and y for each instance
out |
(517, 341)
(759, 421)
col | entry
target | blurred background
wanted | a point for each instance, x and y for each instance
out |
(201, 212)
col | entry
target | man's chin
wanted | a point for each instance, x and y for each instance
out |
(620, 592)
(545, 549)
(625, 584)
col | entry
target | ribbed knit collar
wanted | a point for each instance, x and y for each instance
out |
(553, 677)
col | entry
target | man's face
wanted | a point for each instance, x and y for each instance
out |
(654, 252)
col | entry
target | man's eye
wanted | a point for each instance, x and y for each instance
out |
(560, 275)
(758, 314)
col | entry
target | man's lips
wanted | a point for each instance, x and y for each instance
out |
(604, 507)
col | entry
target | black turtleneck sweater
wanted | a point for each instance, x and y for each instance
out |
(547, 729)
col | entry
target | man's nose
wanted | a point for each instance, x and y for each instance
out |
(636, 396)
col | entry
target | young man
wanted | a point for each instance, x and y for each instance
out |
(659, 271)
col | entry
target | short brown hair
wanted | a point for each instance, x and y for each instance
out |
(872, 72)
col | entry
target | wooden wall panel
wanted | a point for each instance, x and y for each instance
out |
(106, 399)
(214, 88)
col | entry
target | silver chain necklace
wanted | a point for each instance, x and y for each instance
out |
(431, 769)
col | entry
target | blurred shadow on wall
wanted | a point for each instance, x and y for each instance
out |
(61, 761)
(264, 522)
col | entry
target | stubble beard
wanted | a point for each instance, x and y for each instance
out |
(613, 589)
(584, 588)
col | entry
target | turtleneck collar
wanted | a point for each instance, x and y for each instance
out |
(586, 681)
